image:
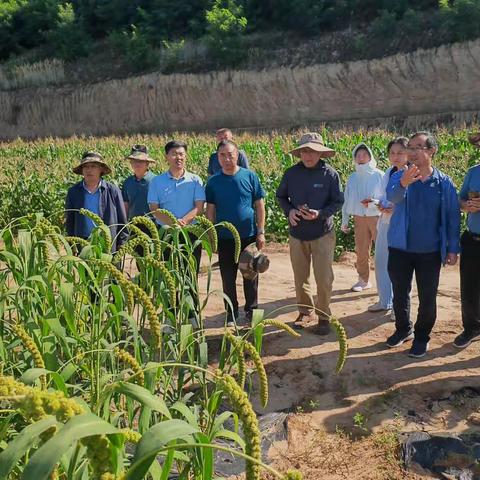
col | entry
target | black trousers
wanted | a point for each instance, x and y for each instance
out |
(228, 272)
(426, 266)
(470, 282)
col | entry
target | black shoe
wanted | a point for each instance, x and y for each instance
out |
(301, 320)
(418, 349)
(465, 339)
(398, 339)
(322, 328)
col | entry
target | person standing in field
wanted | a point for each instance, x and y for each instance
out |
(235, 195)
(213, 163)
(470, 255)
(135, 187)
(309, 194)
(97, 195)
(362, 191)
(424, 233)
(178, 191)
(397, 154)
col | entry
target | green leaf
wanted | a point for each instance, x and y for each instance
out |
(186, 413)
(142, 395)
(48, 455)
(152, 442)
(22, 443)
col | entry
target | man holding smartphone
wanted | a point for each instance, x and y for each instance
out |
(470, 255)
(310, 194)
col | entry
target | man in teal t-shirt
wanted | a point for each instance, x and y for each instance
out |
(470, 255)
(236, 196)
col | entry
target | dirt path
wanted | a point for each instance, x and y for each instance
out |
(377, 383)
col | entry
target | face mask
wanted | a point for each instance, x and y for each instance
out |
(362, 168)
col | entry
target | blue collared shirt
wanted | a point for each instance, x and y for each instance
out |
(472, 184)
(91, 201)
(134, 192)
(178, 196)
(425, 217)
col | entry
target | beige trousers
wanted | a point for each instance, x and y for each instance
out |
(365, 235)
(319, 252)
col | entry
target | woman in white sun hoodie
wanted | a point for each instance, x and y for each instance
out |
(362, 186)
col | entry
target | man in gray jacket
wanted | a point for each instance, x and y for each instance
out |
(310, 194)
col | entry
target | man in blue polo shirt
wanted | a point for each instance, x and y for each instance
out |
(470, 257)
(424, 233)
(213, 163)
(236, 196)
(178, 191)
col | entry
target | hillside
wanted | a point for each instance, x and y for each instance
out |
(55, 42)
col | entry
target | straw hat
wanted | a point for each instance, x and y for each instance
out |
(92, 157)
(252, 262)
(140, 152)
(315, 142)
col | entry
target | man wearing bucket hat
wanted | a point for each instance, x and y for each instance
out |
(97, 195)
(470, 255)
(310, 193)
(135, 187)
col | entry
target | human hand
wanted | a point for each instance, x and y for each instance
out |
(410, 175)
(260, 242)
(294, 217)
(309, 214)
(182, 222)
(345, 229)
(452, 258)
(386, 210)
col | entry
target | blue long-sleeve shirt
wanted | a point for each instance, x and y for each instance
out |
(426, 217)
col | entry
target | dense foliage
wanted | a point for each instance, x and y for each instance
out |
(35, 175)
(68, 29)
(105, 369)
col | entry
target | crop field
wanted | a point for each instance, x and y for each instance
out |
(35, 175)
(105, 369)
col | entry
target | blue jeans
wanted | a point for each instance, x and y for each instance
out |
(384, 285)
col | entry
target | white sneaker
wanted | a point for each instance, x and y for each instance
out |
(378, 307)
(361, 285)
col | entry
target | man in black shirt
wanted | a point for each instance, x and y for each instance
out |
(310, 194)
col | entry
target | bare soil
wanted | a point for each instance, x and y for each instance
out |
(381, 388)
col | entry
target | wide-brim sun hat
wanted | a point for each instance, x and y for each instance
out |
(92, 157)
(140, 152)
(475, 139)
(252, 262)
(314, 141)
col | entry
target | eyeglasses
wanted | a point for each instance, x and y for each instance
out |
(417, 149)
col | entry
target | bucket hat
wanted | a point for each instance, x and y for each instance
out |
(92, 157)
(140, 152)
(252, 262)
(314, 141)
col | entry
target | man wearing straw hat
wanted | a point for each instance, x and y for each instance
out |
(97, 195)
(470, 255)
(310, 194)
(135, 187)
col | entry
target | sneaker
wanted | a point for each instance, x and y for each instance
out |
(232, 321)
(465, 339)
(378, 307)
(393, 318)
(361, 285)
(418, 349)
(398, 339)
(322, 328)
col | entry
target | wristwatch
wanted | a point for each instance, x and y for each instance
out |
(260, 231)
